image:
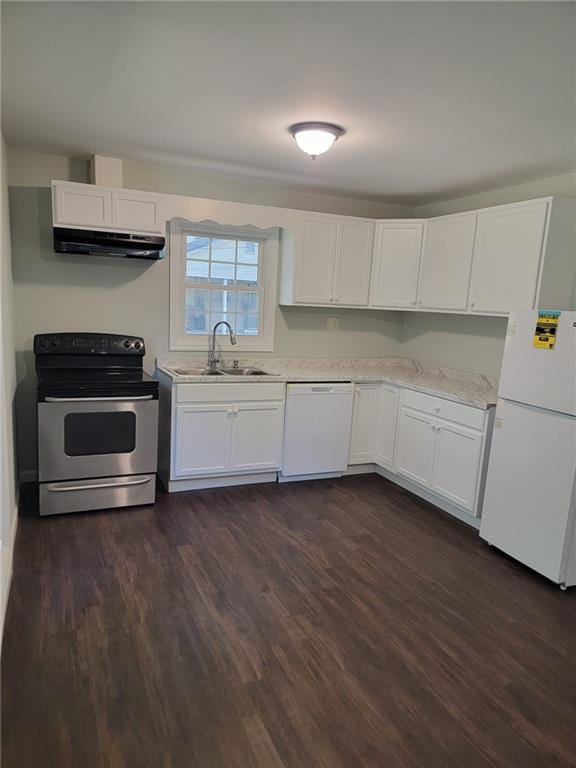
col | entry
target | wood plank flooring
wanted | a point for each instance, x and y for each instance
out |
(330, 624)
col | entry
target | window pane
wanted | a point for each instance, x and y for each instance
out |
(247, 325)
(221, 273)
(197, 270)
(197, 300)
(216, 317)
(196, 318)
(197, 247)
(246, 275)
(248, 251)
(223, 301)
(224, 250)
(247, 302)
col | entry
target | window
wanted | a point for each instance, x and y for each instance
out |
(222, 273)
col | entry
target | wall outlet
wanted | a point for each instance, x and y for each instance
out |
(332, 323)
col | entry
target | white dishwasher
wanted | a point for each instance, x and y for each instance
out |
(317, 428)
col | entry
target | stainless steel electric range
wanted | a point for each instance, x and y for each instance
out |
(97, 422)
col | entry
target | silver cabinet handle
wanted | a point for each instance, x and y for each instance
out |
(97, 399)
(57, 488)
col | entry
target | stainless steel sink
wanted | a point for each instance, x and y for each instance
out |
(196, 372)
(245, 372)
(221, 372)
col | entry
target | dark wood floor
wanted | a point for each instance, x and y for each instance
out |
(338, 624)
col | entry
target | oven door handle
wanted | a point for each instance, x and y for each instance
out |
(97, 399)
(59, 487)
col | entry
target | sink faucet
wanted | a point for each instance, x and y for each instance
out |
(213, 358)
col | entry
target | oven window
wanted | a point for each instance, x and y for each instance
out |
(95, 434)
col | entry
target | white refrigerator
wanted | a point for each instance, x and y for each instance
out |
(529, 506)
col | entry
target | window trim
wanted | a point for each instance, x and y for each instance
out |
(178, 229)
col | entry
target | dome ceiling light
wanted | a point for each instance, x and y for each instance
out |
(316, 138)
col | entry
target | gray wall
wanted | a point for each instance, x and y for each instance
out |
(457, 341)
(8, 484)
(562, 186)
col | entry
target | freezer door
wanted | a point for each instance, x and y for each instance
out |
(529, 503)
(545, 378)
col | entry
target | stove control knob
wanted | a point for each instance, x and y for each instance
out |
(43, 343)
(56, 343)
(126, 344)
(137, 345)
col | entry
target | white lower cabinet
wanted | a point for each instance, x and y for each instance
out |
(457, 463)
(364, 417)
(257, 436)
(442, 455)
(203, 439)
(387, 417)
(374, 419)
(222, 429)
(416, 443)
(217, 438)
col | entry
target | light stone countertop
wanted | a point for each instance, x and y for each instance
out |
(465, 387)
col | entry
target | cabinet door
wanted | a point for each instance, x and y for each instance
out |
(386, 426)
(203, 440)
(81, 206)
(416, 442)
(316, 258)
(396, 263)
(447, 262)
(352, 276)
(507, 254)
(457, 463)
(364, 423)
(136, 211)
(257, 436)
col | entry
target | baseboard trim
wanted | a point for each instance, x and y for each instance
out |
(199, 483)
(6, 567)
(299, 478)
(437, 501)
(360, 469)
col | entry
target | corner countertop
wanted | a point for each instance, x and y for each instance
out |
(465, 387)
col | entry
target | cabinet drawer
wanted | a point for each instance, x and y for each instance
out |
(444, 409)
(229, 393)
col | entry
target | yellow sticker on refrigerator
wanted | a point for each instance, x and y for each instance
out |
(546, 327)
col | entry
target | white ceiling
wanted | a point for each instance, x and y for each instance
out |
(438, 99)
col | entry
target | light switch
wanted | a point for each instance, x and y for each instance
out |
(332, 323)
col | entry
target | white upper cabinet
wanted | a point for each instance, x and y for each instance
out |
(81, 205)
(447, 262)
(507, 257)
(396, 263)
(331, 262)
(315, 260)
(136, 211)
(86, 206)
(353, 260)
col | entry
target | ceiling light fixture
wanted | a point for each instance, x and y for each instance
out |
(316, 138)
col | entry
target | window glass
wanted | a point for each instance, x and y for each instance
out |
(227, 273)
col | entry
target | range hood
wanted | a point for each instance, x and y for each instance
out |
(99, 243)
